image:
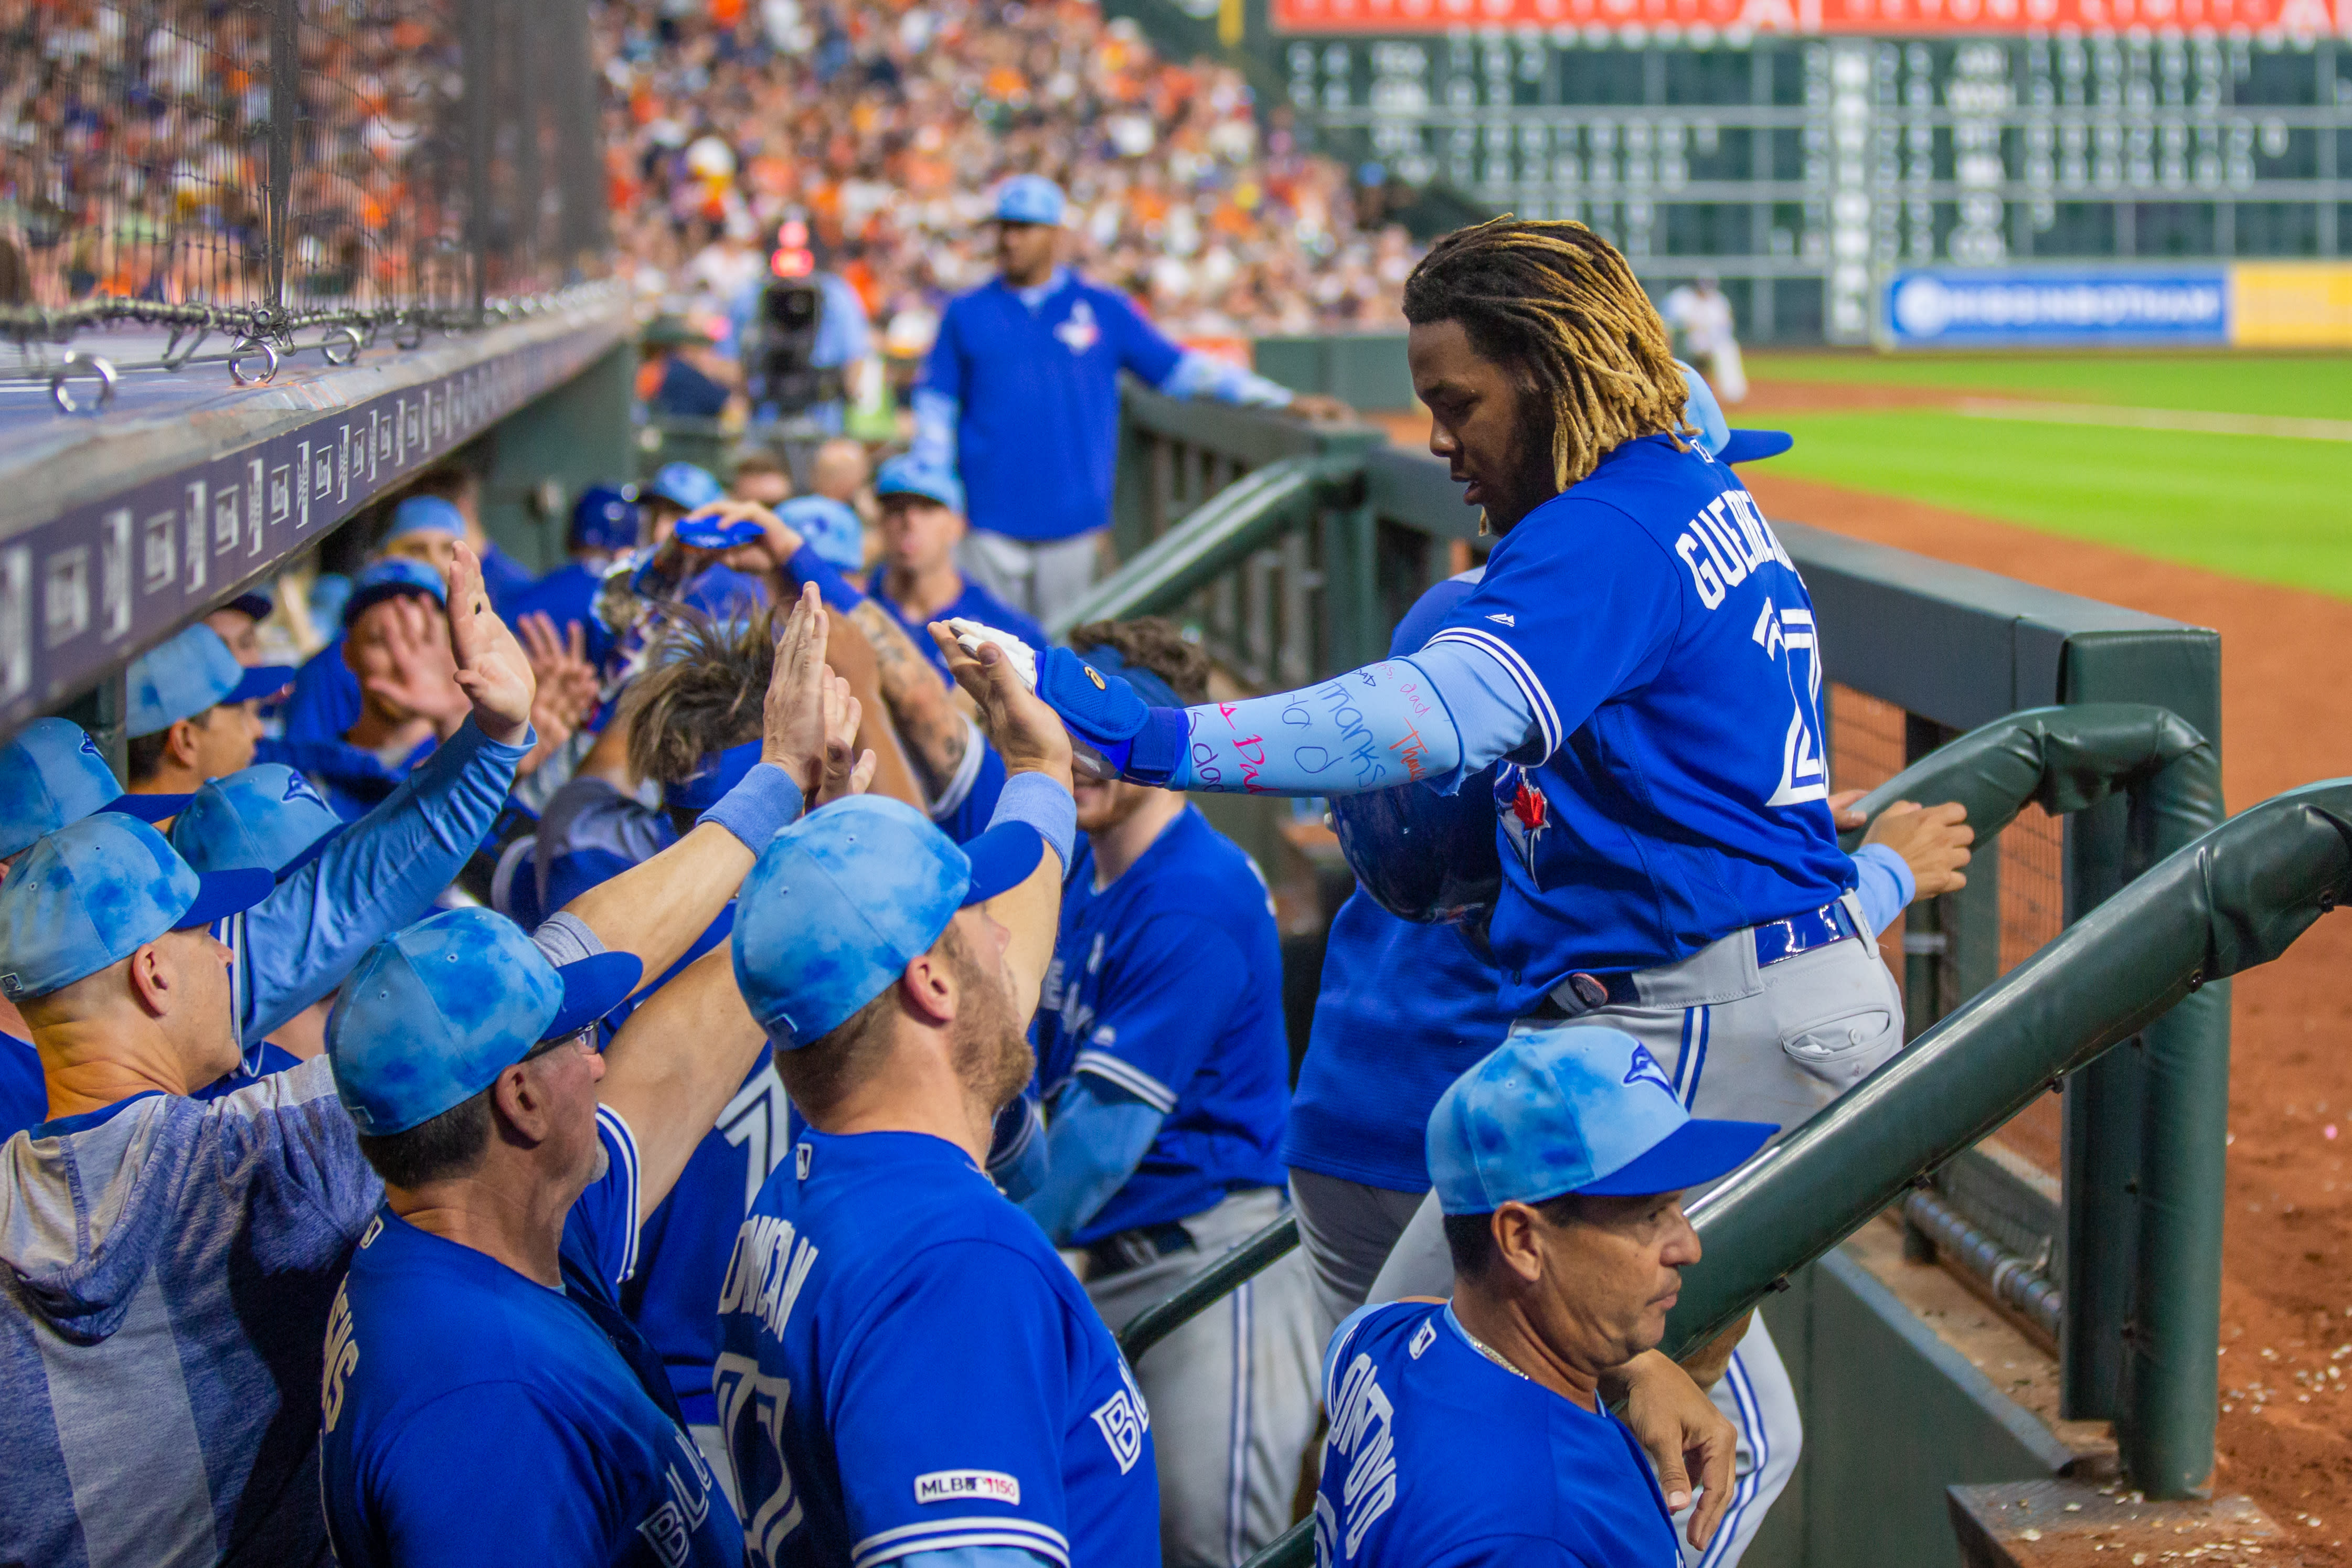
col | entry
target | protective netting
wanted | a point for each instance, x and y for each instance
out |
(274, 161)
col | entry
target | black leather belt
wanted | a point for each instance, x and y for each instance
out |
(1133, 1248)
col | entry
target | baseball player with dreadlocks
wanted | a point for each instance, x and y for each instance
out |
(1640, 659)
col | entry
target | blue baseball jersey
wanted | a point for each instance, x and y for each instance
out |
(567, 596)
(1403, 1012)
(1037, 396)
(1437, 1458)
(1674, 790)
(24, 1093)
(1168, 985)
(974, 603)
(909, 1367)
(682, 1256)
(471, 1415)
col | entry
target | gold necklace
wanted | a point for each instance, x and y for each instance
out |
(1482, 1348)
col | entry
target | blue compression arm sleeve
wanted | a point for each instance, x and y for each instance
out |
(1100, 1135)
(378, 875)
(1884, 885)
(1199, 375)
(1016, 1148)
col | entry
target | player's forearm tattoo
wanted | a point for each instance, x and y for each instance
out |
(934, 733)
(1371, 728)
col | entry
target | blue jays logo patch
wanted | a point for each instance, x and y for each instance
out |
(298, 788)
(1079, 332)
(89, 745)
(1524, 812)
(1645, 1068)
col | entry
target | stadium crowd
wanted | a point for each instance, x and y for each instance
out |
(887, 126)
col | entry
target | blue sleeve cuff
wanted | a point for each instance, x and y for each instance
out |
(1045, 805)
(810, 567)
(1884, 885)
(763, 803)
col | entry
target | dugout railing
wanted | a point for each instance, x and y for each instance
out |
(1292, 548)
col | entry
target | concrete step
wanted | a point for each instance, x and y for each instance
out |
(2080, 1524)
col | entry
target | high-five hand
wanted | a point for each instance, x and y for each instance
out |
(492, 669)
(793, 733)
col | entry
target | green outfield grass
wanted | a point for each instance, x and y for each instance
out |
(2316, 386)
(2269, 509)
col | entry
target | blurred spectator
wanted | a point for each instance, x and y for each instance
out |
(460, 484)
(680, 374)
(890, 127)
(839, 470)
(759, 474)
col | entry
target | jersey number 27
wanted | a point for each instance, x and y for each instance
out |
(1786, 636)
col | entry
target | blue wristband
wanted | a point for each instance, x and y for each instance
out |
(1045, 805)
(763, 803)
(810, 567)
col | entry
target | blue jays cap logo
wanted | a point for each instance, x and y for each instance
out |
(1645, 1068)
(298, 788)
(90, 745)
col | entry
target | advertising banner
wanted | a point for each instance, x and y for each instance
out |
(2291, 305)
(1708, 18)
(1991, 307)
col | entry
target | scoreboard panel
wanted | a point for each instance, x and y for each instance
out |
(1802, 157)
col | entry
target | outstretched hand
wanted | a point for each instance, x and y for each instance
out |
(793, 733)
(846, 770)
(414, 637)
(1027, 733)
(492, 669)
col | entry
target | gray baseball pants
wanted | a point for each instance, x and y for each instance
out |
(1039, 578)
(1741, 1042)
(1232, 1393)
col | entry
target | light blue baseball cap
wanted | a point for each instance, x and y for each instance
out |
(1572, 1108)
(390, 578)
(905, 474)
(435, 1012)
(182, 675)
(1030, 198)
(684, 485)
(841, 901)
(425, 515)
(95, 892)
(51, 774)
(263, 817)
(835, 532)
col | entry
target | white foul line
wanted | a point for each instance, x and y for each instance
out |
(2158, 418)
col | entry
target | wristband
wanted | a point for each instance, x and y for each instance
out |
(808, 566)
(763, 803)
(1042, 802)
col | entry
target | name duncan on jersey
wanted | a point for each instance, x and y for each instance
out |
(1734, 540)
(765, 1275)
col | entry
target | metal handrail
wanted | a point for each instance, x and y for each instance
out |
(1212, 539)
(1243, 1263)
(2234, 897)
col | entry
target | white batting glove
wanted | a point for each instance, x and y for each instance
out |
(971, 635)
